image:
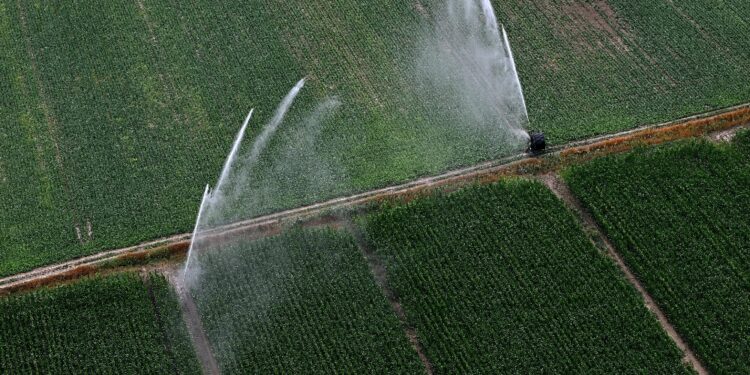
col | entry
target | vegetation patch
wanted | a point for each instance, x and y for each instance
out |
(108, 324)
(678, 214)
(500, 278)
(300, 302)
(108, 140)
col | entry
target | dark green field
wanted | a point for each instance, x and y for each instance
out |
(501, 279)
(679, 216)
(114, 115)
(302, 302)
(110, 325)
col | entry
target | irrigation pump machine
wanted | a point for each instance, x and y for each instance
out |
(537, 143)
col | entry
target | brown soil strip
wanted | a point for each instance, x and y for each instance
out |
(381, 278)
(195, 327)
(518, 165)
(159, 321)
(599, 239)
(119, 265)
(63, 270)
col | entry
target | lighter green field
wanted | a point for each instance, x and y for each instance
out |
(113, 116)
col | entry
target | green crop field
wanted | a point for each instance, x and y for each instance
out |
(104, 325)
(605, 65)
(679, 216)
(113, 116)
(501, 279)
(301, 302)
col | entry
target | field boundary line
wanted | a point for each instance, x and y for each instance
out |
(599, 239)
(146, 278)
(192, 320)
(490, 171)
(633, 131)
(87, 261)
(380, 275)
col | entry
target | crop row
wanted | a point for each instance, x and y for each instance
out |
(679, 216)
(103, 325)
(501, 279)
(301, 302)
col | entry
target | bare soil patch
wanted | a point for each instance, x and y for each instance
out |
(594, 28)
(599, 17)
(728, 134)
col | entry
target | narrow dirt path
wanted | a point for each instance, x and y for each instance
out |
(489, 171)
(727, 135)
(159, 320)
(381, 278)
(195, 327)
(555, 183)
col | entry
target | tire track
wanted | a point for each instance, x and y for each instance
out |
(599, 239)
(381, 279)
(194, 324)
(159, 321)
(521, 164)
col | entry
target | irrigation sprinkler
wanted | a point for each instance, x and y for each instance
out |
(537, 144)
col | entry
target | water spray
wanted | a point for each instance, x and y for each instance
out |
(206, 196)
(509, 54)
(278, 117)
(537, 142)
(233, 153)
(228, 187)
(207, 193)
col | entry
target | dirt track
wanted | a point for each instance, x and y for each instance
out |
(561, 190)
(194, 325)
(521, 164)
(381, 278)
